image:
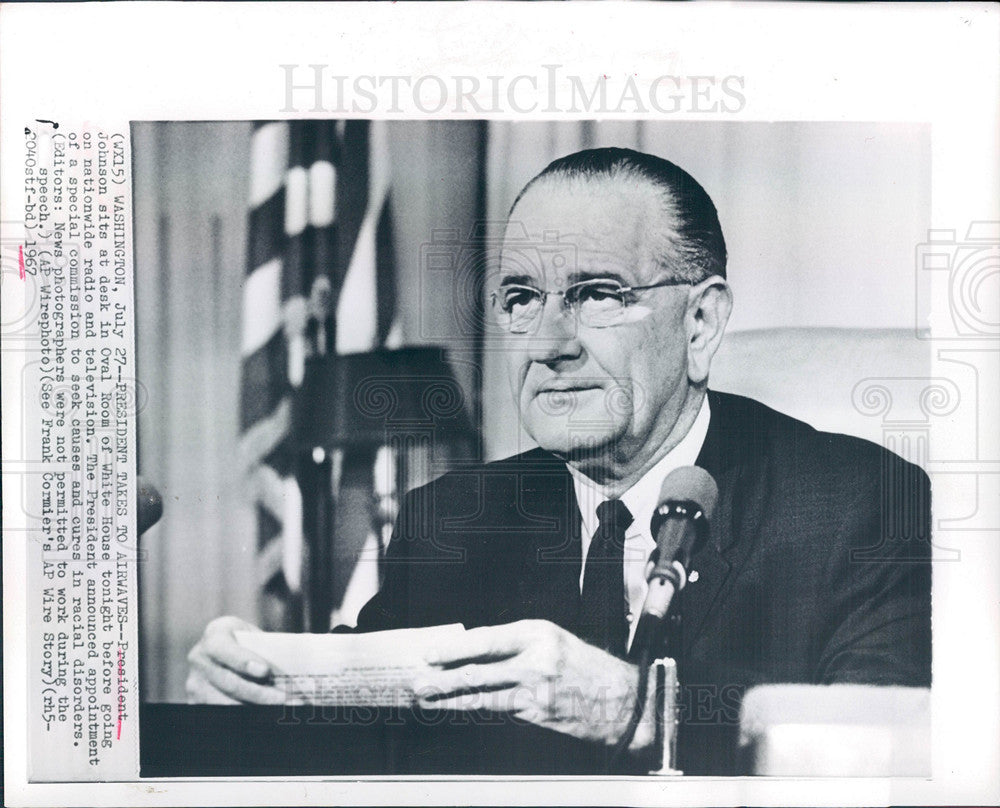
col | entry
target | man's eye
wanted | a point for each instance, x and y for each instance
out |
(516, 298)
(599, 293)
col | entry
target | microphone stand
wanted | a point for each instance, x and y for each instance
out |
(679, 524)
(665, 737)
(664, 670)
(651, 634)
(641, 692)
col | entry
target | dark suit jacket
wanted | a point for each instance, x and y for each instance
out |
(816, 569)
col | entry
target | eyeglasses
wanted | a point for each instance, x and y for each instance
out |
(595, 303)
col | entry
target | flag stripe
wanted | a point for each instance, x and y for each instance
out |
(268, 528)
(385, 271)
(268, 547)
(268, 489)
(268, 153)
(295, 314)
(322, 193)
(264, 380)
(261, 442)
(292, 540)
(357, 310)
(262, 306)
(296, 200)
(266, 231)
(296, 278)
(352, 192)
(324, 247)
(323, 175)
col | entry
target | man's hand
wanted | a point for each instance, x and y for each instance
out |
(541, 673)
(224, 672)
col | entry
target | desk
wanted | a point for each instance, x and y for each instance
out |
(784, 730)
(180, 740)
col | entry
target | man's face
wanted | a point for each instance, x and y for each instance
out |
(618, 389)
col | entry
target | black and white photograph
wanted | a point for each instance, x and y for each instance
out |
(594, 395)
(500, 403)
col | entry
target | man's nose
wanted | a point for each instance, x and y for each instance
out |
(556, 335)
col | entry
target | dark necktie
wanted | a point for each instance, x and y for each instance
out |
(602, 604)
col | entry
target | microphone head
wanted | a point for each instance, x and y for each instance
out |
(679, 525)
(685, 492)
(690, 484)
(150, 506)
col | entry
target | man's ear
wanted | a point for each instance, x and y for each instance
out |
(709, 305)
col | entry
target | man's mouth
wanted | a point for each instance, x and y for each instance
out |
(565, 387)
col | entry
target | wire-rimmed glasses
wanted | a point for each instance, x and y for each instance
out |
(596, 303)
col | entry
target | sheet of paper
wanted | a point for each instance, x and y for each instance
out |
(375, 669)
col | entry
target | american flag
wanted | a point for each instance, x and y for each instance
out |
(320, 280)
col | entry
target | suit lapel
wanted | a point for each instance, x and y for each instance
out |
(548, 583)
(548, 559)
(727, 455)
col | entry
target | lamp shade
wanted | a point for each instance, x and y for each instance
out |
(362, 399)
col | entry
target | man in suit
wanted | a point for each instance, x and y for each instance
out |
(613, 296)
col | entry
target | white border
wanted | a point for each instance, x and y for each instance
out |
(117, 62)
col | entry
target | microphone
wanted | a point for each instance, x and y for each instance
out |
(149, 506)
(679, 525)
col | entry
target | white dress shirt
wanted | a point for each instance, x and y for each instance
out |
(640, 499)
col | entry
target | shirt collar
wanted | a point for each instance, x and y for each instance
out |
(641, 498)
